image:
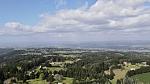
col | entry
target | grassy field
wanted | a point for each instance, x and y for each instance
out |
(68, 80)
(51, 69)
(37, 81)
(144, 78)
(120, 73)
(54, 69)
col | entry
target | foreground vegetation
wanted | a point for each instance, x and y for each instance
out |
(73, 66)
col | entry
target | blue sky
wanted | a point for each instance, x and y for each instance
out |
(30, 21)
(28, 11)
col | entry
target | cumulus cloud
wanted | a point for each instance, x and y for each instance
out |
(15, 28)
(105, 16)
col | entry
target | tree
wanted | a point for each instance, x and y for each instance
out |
(50, 78)
(2, 78)
(118, 81)
(13, 81)
(32, 75)
(58, 77)
(42, 76)
(128, 80)
(1, 81)
(37, 75)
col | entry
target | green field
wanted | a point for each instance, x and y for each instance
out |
(66, 80)
(54, 69)
(144, 78)
(51, 69)
(120, 73)
(37, 81)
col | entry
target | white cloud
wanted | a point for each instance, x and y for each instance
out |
(128, 22)
(105, 17)
(103, 14)
(16, 26)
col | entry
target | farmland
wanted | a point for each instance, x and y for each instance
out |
(143, 78)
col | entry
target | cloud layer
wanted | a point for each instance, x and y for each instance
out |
(114, 19)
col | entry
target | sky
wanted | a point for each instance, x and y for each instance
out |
(30, 21)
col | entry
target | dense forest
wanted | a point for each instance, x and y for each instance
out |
(82, 66)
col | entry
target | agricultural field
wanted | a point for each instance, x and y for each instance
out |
(144, 78)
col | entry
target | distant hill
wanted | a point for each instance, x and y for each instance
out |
(5, 50)
(92, 44)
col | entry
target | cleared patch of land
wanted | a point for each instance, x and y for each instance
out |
(120, 73)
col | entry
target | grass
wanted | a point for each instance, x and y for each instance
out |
(68, 80)
(54, 68)
(144, 78)
(51, 69)
(120, 73)
(37, 81)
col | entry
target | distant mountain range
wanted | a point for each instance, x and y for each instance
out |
(94, 44)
